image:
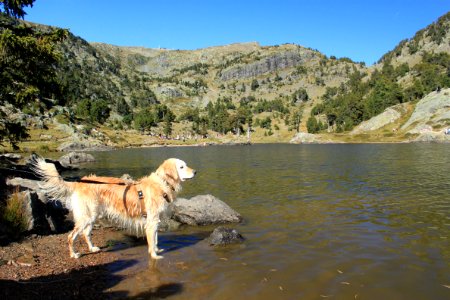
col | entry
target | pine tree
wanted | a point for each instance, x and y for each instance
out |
(27, 66)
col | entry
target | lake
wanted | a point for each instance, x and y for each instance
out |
(368, 221)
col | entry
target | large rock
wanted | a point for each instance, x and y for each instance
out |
(390, 115)
(169, 92)
(42, 215)
(22, 184)
(34, 212)
(167, 223)
(74, 158)
(309, 138)
(433, 109)
(12, 157)
(224, 236)
(432, 137)
(203, 210)
(83, 146)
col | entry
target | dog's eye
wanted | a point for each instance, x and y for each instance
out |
(181, 167)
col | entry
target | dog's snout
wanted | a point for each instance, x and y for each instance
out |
(194, 172)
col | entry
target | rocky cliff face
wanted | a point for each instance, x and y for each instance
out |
(432, 113)
(270, 64)
(170, 70)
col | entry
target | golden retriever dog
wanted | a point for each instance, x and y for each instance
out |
(133, 204)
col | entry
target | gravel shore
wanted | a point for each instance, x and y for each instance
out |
(39, 267)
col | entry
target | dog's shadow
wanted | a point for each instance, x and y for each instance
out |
(172, 242)
(168, 242)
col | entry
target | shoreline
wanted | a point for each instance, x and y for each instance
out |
(207, 144)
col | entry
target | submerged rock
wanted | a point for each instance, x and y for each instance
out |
(203, 210)
(224, 236)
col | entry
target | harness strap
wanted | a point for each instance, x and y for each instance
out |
(101, 182)
(142, 203)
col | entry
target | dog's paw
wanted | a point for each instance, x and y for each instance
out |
(75, 255)
(159, 250)
(95, 249)
(154, 256)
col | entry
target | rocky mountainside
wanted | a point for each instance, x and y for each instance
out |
(434, 38)
(415, 68)
(189, 79)
(197, 77)
(275, 90)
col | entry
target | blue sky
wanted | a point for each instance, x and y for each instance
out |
(362, 30)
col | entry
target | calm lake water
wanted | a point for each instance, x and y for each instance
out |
(321, 221)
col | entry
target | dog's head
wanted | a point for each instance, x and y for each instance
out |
(175, 171)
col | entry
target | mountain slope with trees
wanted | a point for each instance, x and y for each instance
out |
(271, 92)
(413, 69)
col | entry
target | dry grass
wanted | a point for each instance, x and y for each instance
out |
(13, 213)
(41, 140)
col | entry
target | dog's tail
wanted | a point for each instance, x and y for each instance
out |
(52, 184)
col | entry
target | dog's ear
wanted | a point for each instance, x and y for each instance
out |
(172, 170)
(168, 171)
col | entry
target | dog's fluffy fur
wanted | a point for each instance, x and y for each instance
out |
(116, 198)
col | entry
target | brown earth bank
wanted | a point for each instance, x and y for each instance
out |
(39, 267)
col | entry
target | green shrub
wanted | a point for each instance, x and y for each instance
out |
(44, 148)
(312, 125)
(62, 119)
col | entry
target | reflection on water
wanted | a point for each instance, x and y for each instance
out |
(337, 221)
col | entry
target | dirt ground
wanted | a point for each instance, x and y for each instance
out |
(39, 267)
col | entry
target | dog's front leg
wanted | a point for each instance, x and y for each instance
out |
(150, 230)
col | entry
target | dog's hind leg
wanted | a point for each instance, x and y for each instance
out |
(72, 237)
(87, 236)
